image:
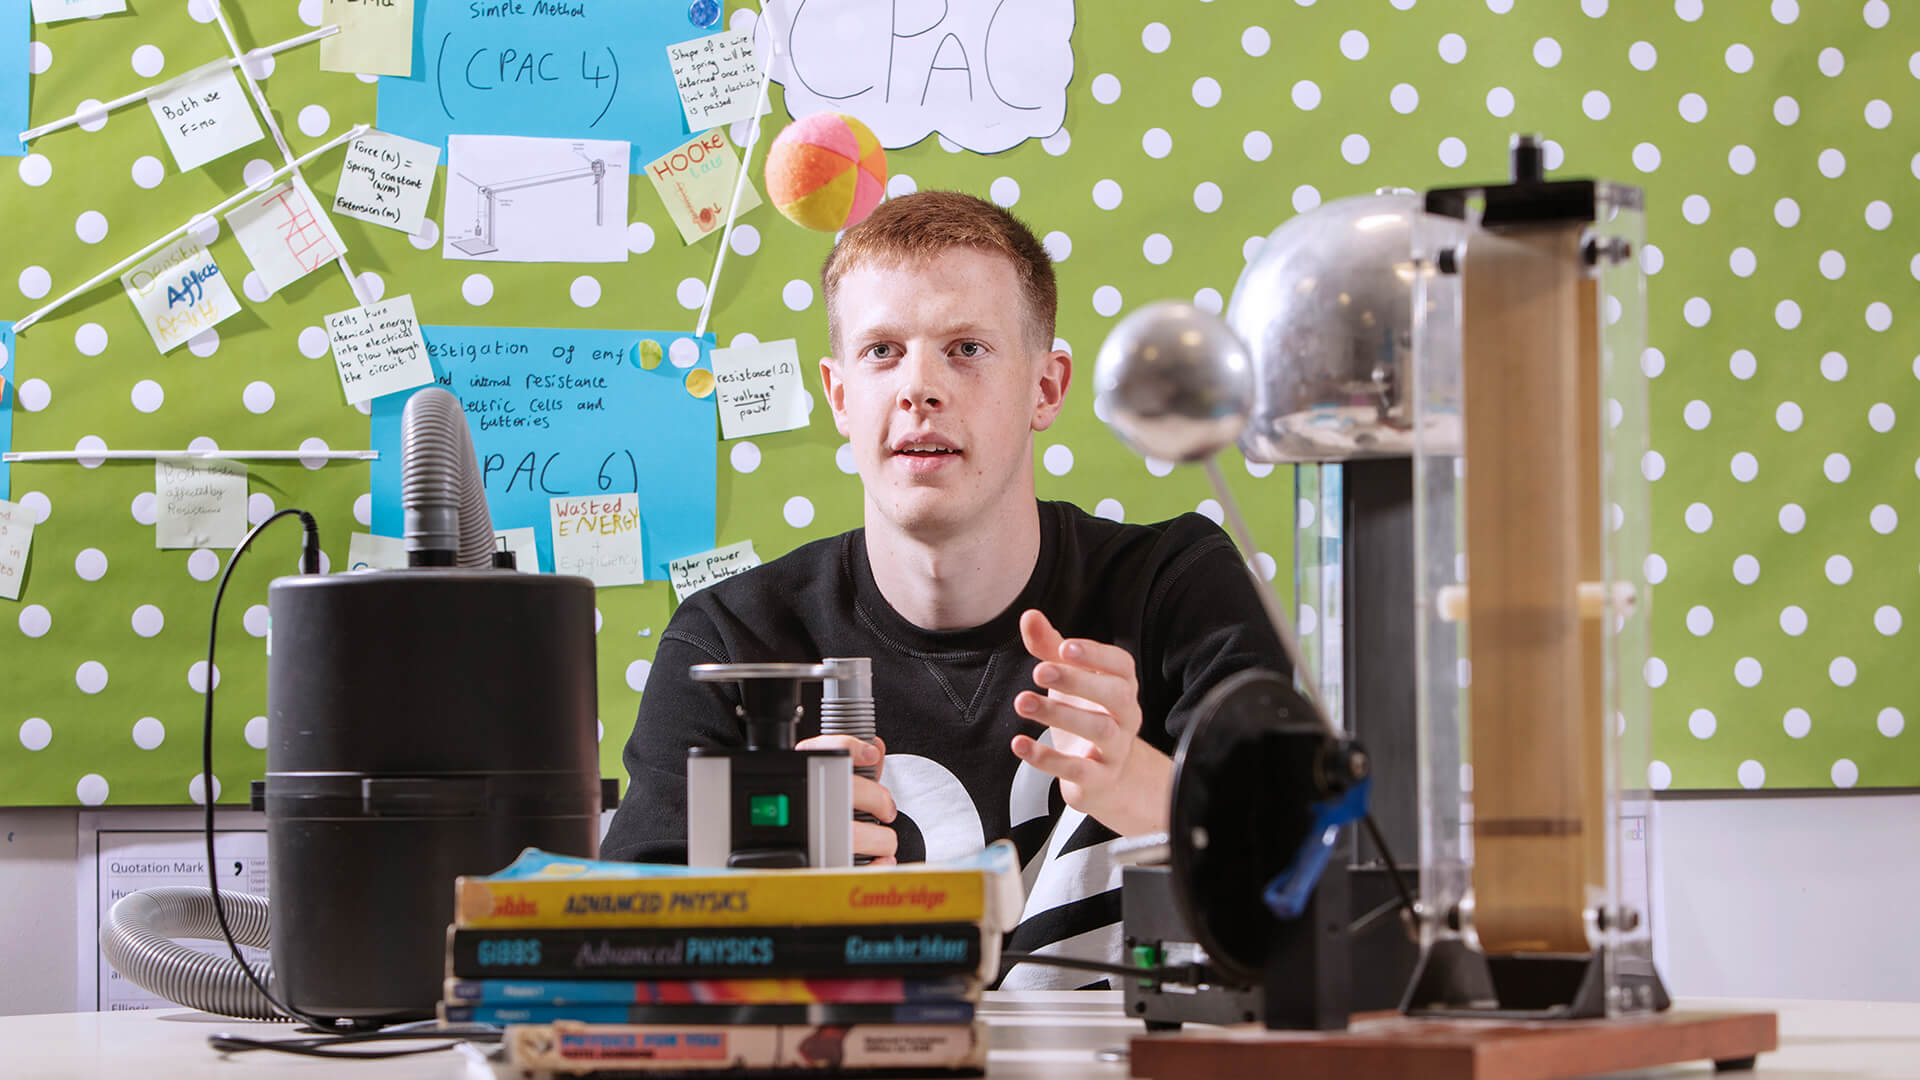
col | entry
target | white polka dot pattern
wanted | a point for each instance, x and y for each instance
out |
(1781, 322)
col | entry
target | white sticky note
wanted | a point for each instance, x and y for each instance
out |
(598, 537)
(203, 115)
(378, 349)
(696, 572)
(525, 545)
(179, 292)
(513, 198)
(366, 551)
(46, 11)
(386, 179)
(199, 502)
(718, 78)
(285, 233)
(758, 389)
(16, 539)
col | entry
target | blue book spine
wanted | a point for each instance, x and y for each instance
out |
(706, 991)
(946, 1012)
(907, 950)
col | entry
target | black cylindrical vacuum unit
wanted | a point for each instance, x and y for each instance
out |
(421, 724)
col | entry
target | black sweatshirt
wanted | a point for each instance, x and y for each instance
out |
(1175, 595)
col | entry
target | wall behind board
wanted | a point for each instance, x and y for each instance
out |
(1773, 144)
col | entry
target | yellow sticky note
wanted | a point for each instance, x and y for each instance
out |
(718, 77)
(46, 11)
(16, 539)
(375, 38)
(179, 292)
(760, 390)
(366, 551)
(378, 348)
(199, 503)
(204, 115)
(696, 572)
(598, 537)
(696, 180)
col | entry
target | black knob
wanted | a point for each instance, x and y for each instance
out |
(1527, 159)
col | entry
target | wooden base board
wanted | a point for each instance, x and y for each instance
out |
(1381, 1046)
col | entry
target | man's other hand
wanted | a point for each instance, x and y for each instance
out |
(1106, 770)
(878, 840)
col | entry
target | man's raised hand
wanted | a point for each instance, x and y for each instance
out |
(1092, 704)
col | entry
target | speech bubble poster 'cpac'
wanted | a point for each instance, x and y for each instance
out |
(987, 77)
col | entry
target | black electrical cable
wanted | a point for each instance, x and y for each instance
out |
(1366, 922)
(1183, 974)
(317, 1046)
(313, 1047)
(1400, 886)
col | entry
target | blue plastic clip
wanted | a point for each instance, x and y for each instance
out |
(1287, 894)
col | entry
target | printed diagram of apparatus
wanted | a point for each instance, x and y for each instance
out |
(486, 214)
(515, 198)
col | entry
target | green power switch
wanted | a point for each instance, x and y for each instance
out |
(767, 810)
(1147, 957)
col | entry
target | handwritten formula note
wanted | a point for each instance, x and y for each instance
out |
(375, 38)
(386, 180)
(696, 182)
(718, 79)
(199, 503)
(16, 539)
(598, 537)
(204, 115)
(759, 389)
(179, 292)
(46, 11)
(696, 572)
(365, 551)
(378, 349)
(285, 233)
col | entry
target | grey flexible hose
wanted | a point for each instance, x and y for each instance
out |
(441, 497)
(138, 935)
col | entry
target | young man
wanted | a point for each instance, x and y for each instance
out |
(967, 594)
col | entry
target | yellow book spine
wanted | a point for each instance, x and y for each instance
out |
(797, 899)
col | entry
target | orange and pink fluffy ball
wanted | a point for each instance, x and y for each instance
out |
(826, 171)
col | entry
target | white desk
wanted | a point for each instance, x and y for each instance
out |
(1051, 1035)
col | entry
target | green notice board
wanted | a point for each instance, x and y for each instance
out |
(1775, 144)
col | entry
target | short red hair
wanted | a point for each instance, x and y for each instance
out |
(924, 224)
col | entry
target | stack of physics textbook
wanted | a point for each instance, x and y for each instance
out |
(611, 967)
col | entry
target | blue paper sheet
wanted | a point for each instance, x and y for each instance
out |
(15, 26)
(574, 69)
(7, 376)
(570, 412)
